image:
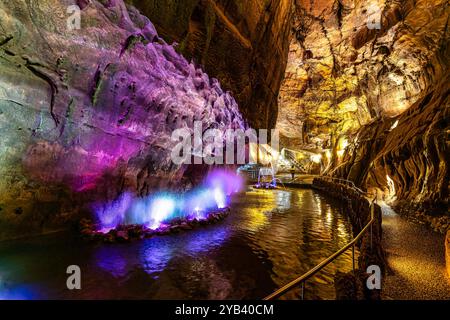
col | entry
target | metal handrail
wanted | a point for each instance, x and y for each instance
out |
(302, 279)
(352, 184)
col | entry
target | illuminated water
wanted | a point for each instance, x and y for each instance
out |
(270, 238)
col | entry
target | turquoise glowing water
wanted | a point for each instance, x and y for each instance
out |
(270, 238)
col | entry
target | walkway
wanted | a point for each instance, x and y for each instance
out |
(416, 258)
(299, 179)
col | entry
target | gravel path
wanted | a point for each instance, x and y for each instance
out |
(416, 258)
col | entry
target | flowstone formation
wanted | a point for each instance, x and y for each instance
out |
(88, 114)
(367, 87)
(406, 158)
(243, 43)
(354, 61)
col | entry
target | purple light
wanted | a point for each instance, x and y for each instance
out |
(227, 181)
(155, 210)
(169, 92)
(112, 214)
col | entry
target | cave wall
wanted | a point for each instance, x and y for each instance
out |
(343, 71)
(243, 43)
(88, 114)
(412, 149)
(349, 82)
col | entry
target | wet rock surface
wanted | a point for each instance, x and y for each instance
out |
(86, 114)
(243, 43)
(126, 233)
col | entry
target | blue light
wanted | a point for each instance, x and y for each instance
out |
(161, 210)
(154, 210)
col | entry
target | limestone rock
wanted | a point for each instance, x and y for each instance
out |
(86, 114)
(345, 70)
(413, 154)
(243, 43)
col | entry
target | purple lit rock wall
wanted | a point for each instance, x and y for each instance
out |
(87, 114)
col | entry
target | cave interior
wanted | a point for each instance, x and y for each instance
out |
(91, 93)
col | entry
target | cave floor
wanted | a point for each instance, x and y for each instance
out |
(416, 260)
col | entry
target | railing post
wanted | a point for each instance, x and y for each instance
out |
(353, 259)
(372, 216)
(303, 290)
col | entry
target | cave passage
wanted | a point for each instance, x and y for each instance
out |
(219, 149)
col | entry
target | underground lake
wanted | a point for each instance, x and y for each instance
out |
(269, 238)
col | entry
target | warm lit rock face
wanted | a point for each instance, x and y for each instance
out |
(86, 114)
(243, 43)
(447, 252)
(343, 71)
(348, 82)
(412, 150)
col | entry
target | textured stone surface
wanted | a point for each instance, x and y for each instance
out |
(414, 155)
(348, 84)
(341, 74)
(86, 114)
(242, 43)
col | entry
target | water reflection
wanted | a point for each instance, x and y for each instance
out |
(283, 200)
(271, 237)
(112, 260)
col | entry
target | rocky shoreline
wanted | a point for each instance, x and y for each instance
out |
(126, 233)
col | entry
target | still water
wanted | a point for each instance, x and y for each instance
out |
(270, 238)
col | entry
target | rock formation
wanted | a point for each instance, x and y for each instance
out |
(86, 114)
(243, 43)
(354, 61)
(368, 81)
